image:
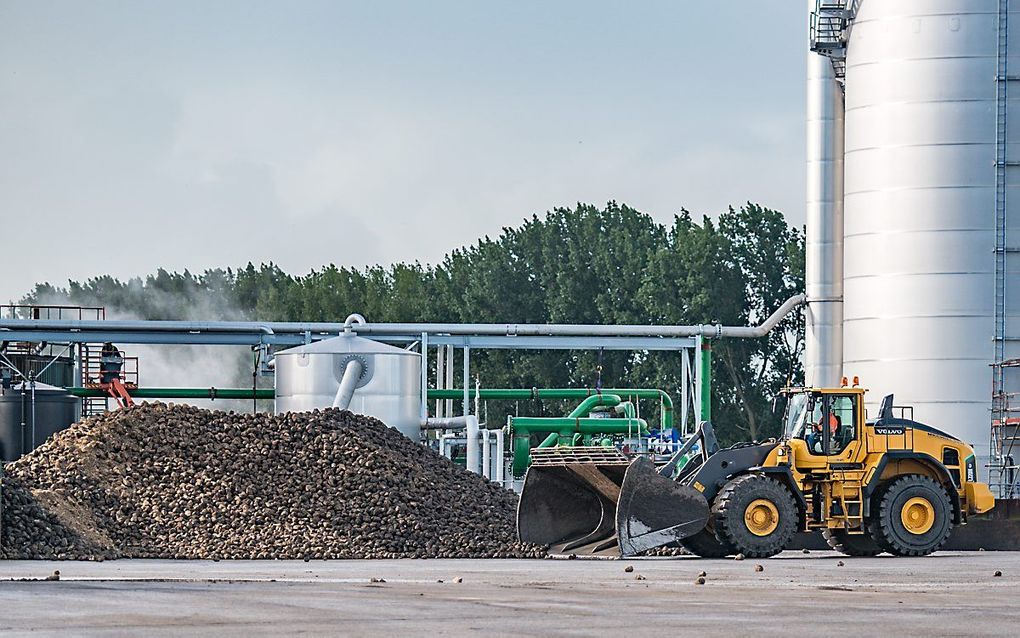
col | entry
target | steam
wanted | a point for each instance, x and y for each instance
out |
(184, 366)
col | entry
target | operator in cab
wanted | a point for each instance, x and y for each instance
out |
(815, 436)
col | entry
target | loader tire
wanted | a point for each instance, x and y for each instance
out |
(755, 515)
(707, 545)
(915, 516)
(851, 544)
(874, 523)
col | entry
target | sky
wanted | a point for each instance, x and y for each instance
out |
(182, 134)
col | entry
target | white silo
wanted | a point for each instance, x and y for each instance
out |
(923, 100)
(352, 373)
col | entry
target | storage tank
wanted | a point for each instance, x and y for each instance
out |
(920, 207)
(53, 410)
(387, 384)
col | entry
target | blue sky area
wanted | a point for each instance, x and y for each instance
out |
(138, 135)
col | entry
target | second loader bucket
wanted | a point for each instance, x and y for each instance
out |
(569, 499)
(594, 501)
(654, 510)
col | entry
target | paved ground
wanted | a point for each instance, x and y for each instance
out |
(952, 593)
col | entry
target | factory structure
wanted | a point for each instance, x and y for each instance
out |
(406, 375)
(913, 222)
(911, 285)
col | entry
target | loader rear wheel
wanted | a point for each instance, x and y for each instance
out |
(851, 544)
(915, 516)
(755, 515)
(707, 545)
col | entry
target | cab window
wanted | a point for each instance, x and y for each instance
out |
(829, 426)
(815, 431)
(842, 408)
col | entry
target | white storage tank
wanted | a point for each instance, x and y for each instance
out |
(386, 382)
(920, 207)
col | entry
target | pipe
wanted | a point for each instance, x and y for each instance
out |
(486, 455)
(440, 378)
(348, 384)
(500, 456)
(550, 441)
(448, 349)
(557, 427)
(595, 400)
(564, 425)
(32, 377)
(466, 381)
(587, 330)
(149, 326)
(473, 462)
(471, 427)
(181, 393)
(823, 277)
(522, 394)
(353, 318)
(498, 329)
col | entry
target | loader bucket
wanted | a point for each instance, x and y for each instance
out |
(654, 511)
(590, 501)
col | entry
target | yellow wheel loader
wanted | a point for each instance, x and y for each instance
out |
(889, 485)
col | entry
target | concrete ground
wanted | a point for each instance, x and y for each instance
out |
(951, 593)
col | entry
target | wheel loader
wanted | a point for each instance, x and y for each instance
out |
(888, 485)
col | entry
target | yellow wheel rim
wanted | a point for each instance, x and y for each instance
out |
(917, 515)
(761, 517)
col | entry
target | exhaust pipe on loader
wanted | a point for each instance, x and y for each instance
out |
(596, 501)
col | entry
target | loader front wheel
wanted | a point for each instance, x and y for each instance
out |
(755, 515)
(851, 544)
(915, 516)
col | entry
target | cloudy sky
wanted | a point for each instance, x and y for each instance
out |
(180, 134)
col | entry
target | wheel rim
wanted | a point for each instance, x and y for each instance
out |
(917, 515)
(761, 517)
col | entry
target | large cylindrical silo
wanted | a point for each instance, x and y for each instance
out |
(823, 336)
(920, 207)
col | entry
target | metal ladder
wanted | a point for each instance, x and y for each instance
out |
(90, 406)
(828, 31)
(999, 466)
(857, 489)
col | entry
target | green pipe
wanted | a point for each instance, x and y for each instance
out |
(181, 393)
(550, 441)
(595, 400)
(522, 452)
(571, 430)
(524, 394)
(585, 425)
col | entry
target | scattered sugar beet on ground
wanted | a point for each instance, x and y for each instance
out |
(164, 481)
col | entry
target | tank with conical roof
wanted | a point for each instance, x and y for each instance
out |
(385, 380)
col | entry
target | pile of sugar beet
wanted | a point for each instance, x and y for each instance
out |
(174, 481)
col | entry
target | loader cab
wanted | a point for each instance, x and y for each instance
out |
(825, 420)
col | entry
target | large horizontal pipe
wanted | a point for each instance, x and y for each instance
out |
(528, 424)
(498, 329)
(589, 330)
(181, 393)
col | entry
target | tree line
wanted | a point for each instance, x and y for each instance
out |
(590, 265)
